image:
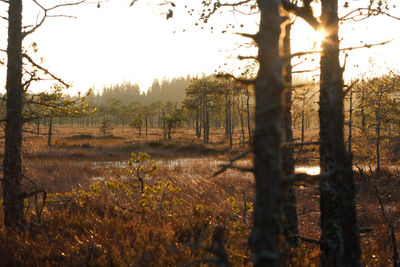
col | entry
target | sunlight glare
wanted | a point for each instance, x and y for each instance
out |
(317, 37)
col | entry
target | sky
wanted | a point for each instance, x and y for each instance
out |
(117, 43)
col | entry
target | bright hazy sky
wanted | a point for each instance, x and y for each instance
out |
(115, 43)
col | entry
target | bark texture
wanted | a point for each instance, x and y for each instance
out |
(12, 176)
(290, 202)
(267, 138)
(340, 244)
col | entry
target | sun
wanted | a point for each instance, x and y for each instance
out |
(305, 38)
(316, 37)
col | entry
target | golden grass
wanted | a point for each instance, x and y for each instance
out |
(99, 224)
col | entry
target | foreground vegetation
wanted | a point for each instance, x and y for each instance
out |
(96, 214)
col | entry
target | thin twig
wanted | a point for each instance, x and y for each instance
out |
(396, 262)
(299, 54)
(230, 165)
(45, 70)
(309, 240)
(300, 143)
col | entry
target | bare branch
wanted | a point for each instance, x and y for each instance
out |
(370, 12)
(300, 177)
(309, 240)
(396, 262)
(247, 35)
(45, 15)
(241, 80)
(350, 86)
(299, 54)
(38, 209)
(305, 12)
(301, 143)
(247, 57)
(230, 165)
(303, 71)
(45, 70)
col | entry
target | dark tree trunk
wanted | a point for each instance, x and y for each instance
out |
(229, 121)
(267, 138)
(50, 133)
(349, 142)
(290, 201)
(164, 127)
(227, 118)
(241, 115)
(198, 130)
(12, 174)
(206, 130)
(37, 127)
(233, 116)
(146, 124)
(248, 114)
(378, 130)
(363, 123)
(340, 243)
(302, 121)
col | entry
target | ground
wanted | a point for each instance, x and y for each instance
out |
(95, 213)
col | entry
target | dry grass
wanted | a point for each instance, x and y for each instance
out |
(100, 223)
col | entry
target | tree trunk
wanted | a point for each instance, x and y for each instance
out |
(241, 115)
(233, 117)
(290, 202)
(50, 131)
(12, 174)
(230, 122)
(363, 123)
(37, 127)
(267, 138)
(227, 119)
(340, 243)
(302, 124)
(248, 114)
(198, 130)
(378, 130)
(350, 121)
(146, 124)
(206, 130)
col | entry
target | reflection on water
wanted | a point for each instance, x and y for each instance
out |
(206, 167)
(310, 170)
(196, 165)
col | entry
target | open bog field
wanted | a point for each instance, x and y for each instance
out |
(95, 212)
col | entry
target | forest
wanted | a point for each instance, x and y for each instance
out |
(284, 161)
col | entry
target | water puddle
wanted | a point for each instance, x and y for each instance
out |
(195, 166)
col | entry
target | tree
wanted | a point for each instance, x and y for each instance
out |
(12, 172)
(105, 127)
(304, 95)
(340, 243)
(378, 109)
(172, 121)
(340, 240)
(291, 230)
(137, 123)
(267, 138)
(54, 104)
(202, 96)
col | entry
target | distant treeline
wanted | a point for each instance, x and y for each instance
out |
(167, 90)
